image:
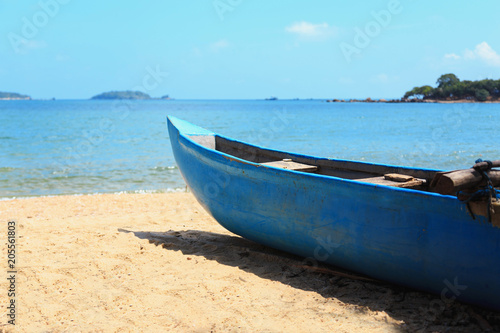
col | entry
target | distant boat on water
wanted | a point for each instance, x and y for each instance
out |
(272, 98)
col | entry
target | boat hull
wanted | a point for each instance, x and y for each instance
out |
(417, 239)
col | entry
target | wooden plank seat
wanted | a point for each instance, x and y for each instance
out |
(391, 179)
(291, 165)
(396, 180)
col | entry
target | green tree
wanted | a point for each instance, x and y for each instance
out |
(427, 91)
(439, 93)
(447, 80)
(411, 93)
(468, 90)
(482, 95)
(496, 91)
(449, 86)
(420, 92)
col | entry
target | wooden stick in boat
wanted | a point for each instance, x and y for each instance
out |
(453, 181)
(485, 165)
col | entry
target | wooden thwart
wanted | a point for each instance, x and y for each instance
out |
(395, 180)
(291, 165)
(396, 177)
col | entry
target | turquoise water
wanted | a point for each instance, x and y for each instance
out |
(76, 147)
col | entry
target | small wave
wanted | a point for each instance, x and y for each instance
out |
(75, 177)
(59, 172)
(167, 190)
(162, 168)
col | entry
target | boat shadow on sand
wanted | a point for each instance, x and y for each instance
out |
(417, 310)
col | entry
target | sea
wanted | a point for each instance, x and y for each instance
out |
(70, 147)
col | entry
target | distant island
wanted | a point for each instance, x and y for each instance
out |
(13, 96)
(122, 95)
(449, 90)
(126, 95)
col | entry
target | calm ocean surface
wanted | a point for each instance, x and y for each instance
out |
(84, 146)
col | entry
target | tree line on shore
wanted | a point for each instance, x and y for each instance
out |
(449, 87)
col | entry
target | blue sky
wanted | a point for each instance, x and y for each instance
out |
(244, 49)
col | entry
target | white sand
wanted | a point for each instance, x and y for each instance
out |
(158, 262)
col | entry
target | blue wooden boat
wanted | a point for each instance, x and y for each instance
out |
(378, 220)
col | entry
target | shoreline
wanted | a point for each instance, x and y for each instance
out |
(162, 191)
(335, 100)
(158, 261)
(412, 101)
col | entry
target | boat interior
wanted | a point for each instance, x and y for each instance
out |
(416, 179)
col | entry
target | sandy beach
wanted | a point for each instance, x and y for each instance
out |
(159, 262)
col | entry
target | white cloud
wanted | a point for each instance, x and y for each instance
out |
(482, 52)
(452, 56)
(311, 30)
(219, 45)
(485, 53)
(468, 54)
